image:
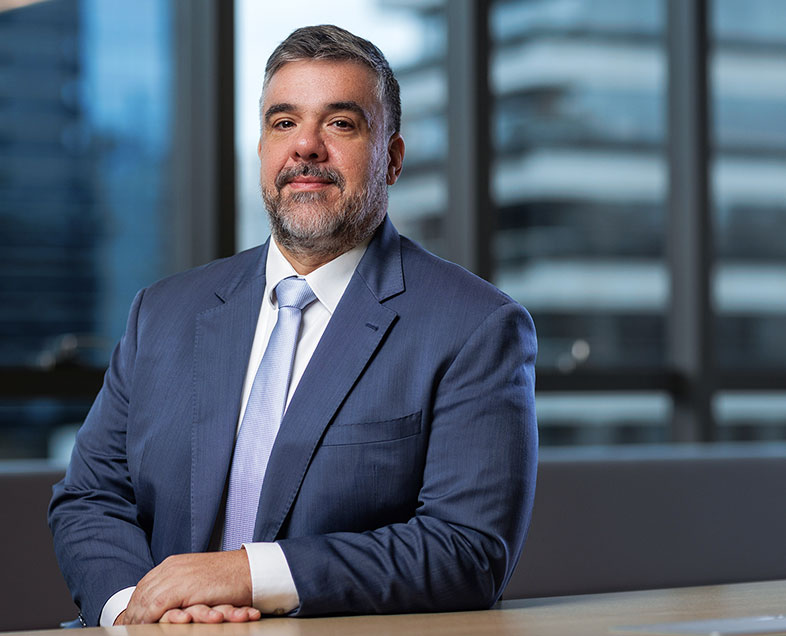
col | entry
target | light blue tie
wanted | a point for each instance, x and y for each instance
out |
(264, 411)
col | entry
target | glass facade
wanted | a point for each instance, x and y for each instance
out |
(567, 419)
(748, 180)
(419, 200)
(751, 415)
(580, 182)
(579, 176)
(85, 147)
(748, 105)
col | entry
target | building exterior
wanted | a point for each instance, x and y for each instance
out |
(84, 219)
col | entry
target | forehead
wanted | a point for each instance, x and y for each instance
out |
(315, 83)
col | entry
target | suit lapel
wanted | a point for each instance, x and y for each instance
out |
(353, 335)
(224, 336)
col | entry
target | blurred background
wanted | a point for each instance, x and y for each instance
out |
(617, 166)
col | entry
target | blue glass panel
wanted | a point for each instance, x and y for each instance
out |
(85, 140)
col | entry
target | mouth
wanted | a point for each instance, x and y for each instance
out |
(308, 184)
(309, 178)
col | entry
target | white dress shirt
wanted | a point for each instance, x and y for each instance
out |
(274, 590)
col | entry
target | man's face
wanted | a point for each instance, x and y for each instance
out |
(325, 157)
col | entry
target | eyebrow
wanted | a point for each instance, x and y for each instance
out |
(351, 106)
(278, 108)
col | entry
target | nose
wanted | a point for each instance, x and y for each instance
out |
(308, 145)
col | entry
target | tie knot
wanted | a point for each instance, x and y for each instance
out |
(294, 292)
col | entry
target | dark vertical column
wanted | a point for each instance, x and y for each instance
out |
(690, 257)
(470, 215)
(204, 175)
(225, 127)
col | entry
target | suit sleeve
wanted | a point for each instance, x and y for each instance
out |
(99, 544)
(459, 549)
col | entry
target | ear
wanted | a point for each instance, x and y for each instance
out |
(259, 148)
(395, 158)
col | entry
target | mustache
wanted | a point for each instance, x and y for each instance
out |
(309, 170)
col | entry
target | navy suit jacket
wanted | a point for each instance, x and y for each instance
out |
(403, 474)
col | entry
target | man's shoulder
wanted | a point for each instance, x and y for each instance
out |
(455, 307)
(430, 274)
(219, 277)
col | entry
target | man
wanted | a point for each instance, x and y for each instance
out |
(401, 476)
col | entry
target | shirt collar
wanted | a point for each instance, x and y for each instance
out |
(328, 282)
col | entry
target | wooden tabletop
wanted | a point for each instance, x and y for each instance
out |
(587, 615)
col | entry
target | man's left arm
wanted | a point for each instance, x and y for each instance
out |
(474, 507)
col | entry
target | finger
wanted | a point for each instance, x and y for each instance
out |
(175, 616)
(226, 610)
(204, 614)
(252, 613)
(238, 614)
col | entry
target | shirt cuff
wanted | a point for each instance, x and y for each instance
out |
(273, 589)
(114, 606)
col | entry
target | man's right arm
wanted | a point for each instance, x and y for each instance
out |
(99, 543)
(101, 546)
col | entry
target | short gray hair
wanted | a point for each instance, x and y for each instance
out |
(328, 42)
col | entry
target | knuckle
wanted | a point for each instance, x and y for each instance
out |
(159, 602)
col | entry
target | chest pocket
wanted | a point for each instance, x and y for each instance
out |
(371, 432)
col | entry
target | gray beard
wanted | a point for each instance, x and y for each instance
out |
(328, 231)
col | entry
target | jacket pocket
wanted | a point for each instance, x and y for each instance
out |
(369, 432)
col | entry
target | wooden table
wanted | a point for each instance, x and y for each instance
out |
(587, 615)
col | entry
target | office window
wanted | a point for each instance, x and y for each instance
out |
(85, 205)
(111, 140)
(579, 176)
(85, 153)
(412, 37)
(748, 89)
(748, 169)
(580, 184)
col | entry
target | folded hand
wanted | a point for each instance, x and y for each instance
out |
(193, 586)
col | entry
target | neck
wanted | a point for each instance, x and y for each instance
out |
(305, 258)
(305, 262)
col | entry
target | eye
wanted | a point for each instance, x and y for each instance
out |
(284, 124)
(343, 124)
